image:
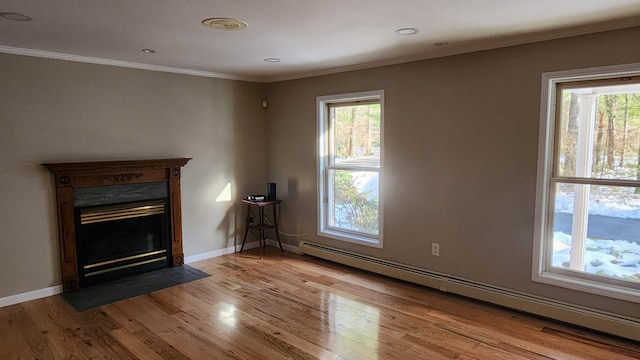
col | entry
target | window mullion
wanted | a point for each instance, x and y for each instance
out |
(596, 181)
(354, 168)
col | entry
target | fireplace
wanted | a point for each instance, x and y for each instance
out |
(117, 218)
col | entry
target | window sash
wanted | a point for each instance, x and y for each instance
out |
(330, 210)
(331, 130)
(557, 114)
(550, 224)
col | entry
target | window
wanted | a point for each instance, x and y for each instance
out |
(349, 160)
(588, 207)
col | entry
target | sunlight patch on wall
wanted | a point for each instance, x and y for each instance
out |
(225, 194)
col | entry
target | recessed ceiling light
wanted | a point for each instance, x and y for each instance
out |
(441, 43)
(272, 60)
(226, 24)
(148, 51)
(407, 31)
(15, 16)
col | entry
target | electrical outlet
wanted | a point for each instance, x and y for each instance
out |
(435, 249)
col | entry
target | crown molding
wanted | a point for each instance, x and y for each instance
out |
(125, 64)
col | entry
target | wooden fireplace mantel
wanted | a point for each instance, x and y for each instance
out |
(69, 176)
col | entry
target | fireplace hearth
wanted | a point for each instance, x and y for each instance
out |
(117, 218)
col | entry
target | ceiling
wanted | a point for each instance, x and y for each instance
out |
(309, 37)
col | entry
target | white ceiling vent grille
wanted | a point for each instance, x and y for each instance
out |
(225, 24)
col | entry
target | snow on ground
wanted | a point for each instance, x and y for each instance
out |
(630, 209)
(613, 258)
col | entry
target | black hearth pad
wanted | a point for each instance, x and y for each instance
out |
(112, 291)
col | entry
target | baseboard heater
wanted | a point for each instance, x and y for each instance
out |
(582, 316)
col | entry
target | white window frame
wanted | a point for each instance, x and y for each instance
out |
(324, 229)
(543, 232)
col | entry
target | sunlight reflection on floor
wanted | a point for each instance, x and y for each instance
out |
(352, 324)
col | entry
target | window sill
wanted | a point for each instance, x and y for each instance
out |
(350, 238)
(588, 286)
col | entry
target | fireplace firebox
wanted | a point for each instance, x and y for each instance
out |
(117, 218)
(118, 240)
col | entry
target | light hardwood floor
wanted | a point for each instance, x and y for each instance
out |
(293, 307)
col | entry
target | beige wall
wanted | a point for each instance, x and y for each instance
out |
(58, 111)
(460, 157)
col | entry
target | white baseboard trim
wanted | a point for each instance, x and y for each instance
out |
(55, 290)
(230, 250)
(220, 252)
(285, 246)
(31, 295)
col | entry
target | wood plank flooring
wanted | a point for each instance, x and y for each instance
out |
(293, 307)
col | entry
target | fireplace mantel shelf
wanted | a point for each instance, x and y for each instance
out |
(115, 166)
(69, 176)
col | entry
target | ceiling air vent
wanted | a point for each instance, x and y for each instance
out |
(225, 24)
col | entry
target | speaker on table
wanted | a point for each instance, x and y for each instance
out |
(271, 191)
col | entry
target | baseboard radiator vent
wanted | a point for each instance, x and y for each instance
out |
(582, 316)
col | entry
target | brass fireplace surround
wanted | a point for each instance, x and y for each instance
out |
(69, 176)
